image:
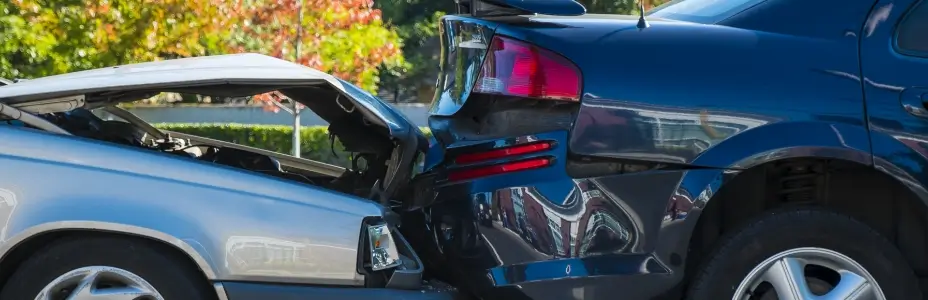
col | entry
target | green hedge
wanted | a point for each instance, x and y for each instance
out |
(314, 140)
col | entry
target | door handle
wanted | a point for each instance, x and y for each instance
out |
(915, 101)
(918, 109)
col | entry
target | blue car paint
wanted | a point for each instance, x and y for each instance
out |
(547, 7)
(702, 11)
(891, 81)
(779, 79)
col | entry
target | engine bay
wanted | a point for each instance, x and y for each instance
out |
(85, 123)
(382, 146)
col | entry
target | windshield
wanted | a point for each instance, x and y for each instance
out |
(702, 11)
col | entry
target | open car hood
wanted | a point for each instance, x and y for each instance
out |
(361, 121)
(189, 73)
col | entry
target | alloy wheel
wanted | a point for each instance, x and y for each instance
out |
(806, 274)
(99, 283)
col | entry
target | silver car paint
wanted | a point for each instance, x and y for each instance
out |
(236, 225)
(248, 68)
(253, 68)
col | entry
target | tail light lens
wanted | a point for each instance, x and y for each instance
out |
(517, 68)
(501, 153)
(509, 167)
(528, 164)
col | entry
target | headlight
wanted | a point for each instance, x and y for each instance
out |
(383, 250)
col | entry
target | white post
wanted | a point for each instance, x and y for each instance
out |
(296, 58)
(296, 129)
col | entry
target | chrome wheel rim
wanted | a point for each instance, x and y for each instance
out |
(809, 273)
(99, 283)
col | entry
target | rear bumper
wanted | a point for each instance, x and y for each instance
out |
(264, 291)
(541, 234)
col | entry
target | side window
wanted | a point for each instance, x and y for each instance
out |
(912, 34)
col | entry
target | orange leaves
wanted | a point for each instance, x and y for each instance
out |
(346, 38)
(343, 37)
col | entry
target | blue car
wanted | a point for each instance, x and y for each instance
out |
(738, 149)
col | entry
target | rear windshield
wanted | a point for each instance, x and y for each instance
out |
(702, 11)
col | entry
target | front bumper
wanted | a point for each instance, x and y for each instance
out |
(263, 291)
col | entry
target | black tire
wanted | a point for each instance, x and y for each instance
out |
(170, 274)
(776, 232)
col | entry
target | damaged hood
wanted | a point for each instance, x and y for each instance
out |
(190, 73)
(362, 122)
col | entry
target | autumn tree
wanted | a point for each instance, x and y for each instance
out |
(345, 38)
(416, 22)
(44, 37)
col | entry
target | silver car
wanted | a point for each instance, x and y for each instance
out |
(101, 209)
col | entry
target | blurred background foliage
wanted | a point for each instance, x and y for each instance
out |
(388, 47)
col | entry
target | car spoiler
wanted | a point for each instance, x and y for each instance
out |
(490, 8)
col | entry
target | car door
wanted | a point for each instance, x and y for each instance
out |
(894, 65)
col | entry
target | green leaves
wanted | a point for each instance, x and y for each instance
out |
(346, 38)
(50, 37)
(416, 22)
(47, 37)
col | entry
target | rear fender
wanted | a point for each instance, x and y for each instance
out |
(723, 162)
(237, 225)
(190, 248)
(903, 162)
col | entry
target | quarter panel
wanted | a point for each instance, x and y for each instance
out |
(672, 91)
(244, 226)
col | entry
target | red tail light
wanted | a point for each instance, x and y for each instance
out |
(516, 68)
(529, 164)
(500, 153)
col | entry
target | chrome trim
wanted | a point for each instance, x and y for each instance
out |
(11, 243)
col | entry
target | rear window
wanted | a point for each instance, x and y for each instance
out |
(702, 11)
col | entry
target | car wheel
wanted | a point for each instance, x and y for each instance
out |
(106, 268)
(805, 254)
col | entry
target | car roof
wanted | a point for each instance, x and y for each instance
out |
(245, 68)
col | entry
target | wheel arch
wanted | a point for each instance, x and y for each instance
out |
(13, 250)
(848, 147)
(901, 215)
